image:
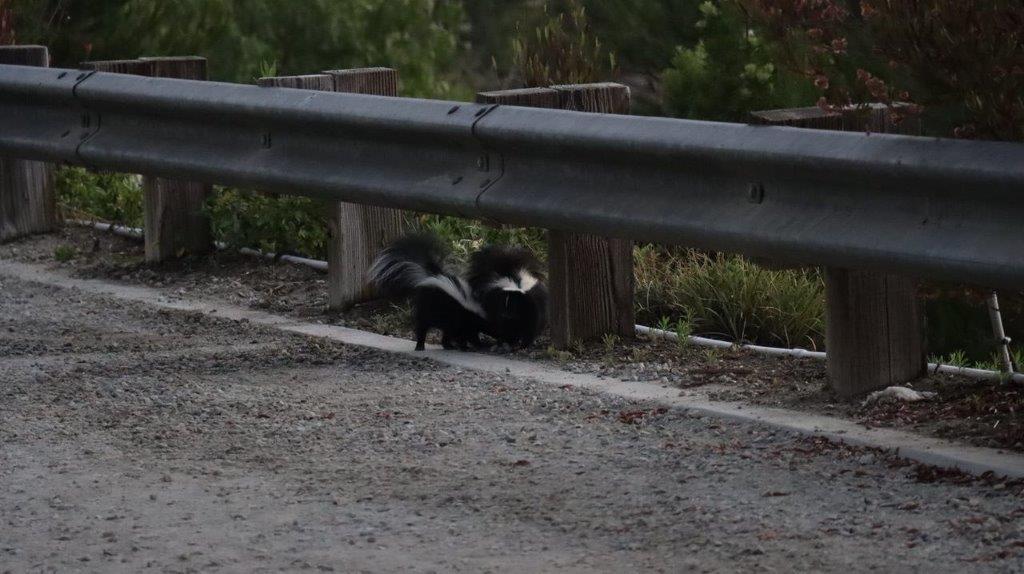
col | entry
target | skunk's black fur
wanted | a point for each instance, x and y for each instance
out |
(509, 283)
(414, 267)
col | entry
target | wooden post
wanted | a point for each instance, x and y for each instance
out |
(28, 199)
(371, 81)
(321, 82)
(137, 67)
(356, 233)
(874, 322)
(174, 221)
(359, 232)
(590, 278)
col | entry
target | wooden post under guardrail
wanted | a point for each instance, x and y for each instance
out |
(874, 322)
(174, 221)
(28, 198)
(356, 233)
(590, 278)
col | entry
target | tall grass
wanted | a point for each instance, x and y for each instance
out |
(729, 297)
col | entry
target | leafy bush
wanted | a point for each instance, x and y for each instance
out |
(729, 72)
(113, 197)
(281, 224)
(418, 37)
(664, 25)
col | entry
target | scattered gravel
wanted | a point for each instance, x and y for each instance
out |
(199, 444)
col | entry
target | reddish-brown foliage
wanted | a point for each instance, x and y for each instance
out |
(968, 54)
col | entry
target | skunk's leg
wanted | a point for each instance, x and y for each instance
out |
(421, 337)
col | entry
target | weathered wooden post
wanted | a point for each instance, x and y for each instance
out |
(321, 82)
(874, 331)
(590, 278)
(28, 199)
(174, 221)
(356, 232)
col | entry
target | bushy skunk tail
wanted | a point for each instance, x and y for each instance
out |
(416, 262)
(409, 261)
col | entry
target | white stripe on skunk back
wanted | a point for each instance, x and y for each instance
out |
(457, 289)
(392, 273)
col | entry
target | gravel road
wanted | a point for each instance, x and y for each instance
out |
(133, 439)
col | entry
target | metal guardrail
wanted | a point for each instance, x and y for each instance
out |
(932, 208)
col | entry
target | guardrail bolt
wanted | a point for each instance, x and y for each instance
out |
(265, 140)
(86, 120)
(755, 193)
(483, 163)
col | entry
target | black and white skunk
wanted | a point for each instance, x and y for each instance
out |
(509, 284)
(414, 267)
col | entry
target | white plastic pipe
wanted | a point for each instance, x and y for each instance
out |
(705, 342)
(980, 374)
(137, 233)
(132, 232)
(932, 367)
(314, 263)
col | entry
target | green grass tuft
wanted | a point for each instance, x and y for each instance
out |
(64, 253)
(729, 297)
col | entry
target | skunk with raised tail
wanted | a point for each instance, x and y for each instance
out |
(415, 267)
(509, 283)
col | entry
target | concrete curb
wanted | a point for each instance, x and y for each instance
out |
(922, 449)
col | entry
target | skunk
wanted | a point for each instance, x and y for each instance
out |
(509, 283)
(414, 267)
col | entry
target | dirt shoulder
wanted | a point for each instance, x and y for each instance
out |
(978, 413)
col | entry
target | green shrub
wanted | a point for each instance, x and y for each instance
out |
(282, 224)
(113, 197)
(420, 38)
(729, 72)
